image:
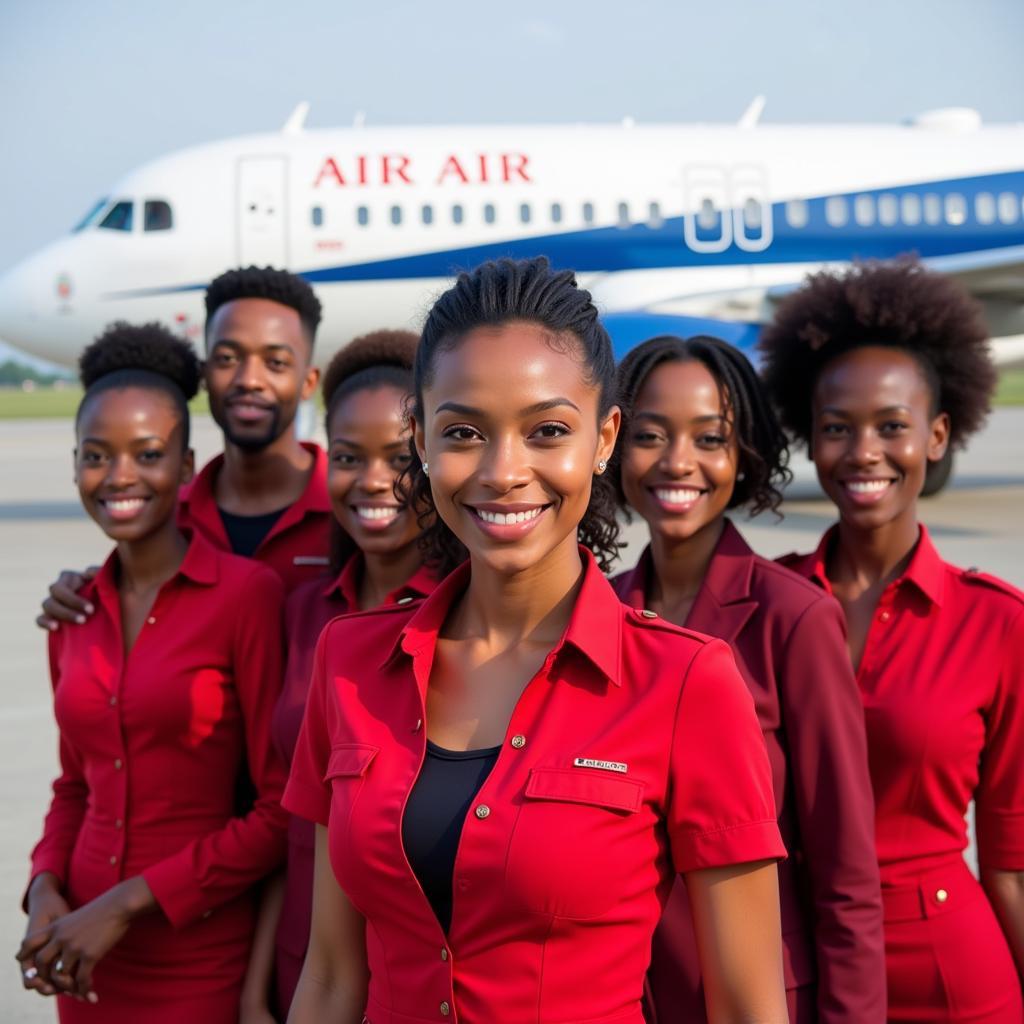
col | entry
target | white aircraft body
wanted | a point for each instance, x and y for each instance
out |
(681, 228)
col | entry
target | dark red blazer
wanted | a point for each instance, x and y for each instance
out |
(791, 650)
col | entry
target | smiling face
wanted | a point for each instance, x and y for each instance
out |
(257, 370)
(511, 434)
(874, 431)
(130, 461)
(368, 449)
(679, 459)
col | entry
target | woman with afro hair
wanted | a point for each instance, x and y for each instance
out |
(878, 371)
(376, 560)
(141, 903)
(700, 438)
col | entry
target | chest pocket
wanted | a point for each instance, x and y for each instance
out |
(346, 773)
(574, 841)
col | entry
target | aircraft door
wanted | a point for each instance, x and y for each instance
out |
(262, 206)
(707, 222)
(752, 208)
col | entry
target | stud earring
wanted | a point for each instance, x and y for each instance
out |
(602, 465)
(426, 469)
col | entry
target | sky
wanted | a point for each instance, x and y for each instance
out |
(89, 90)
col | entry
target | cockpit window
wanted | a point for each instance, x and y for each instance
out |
(90, 218)
(157, 216)
(120, 217)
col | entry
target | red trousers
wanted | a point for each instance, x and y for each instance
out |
(947, 959)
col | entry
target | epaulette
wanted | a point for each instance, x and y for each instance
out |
(975, 575)
(652, 620)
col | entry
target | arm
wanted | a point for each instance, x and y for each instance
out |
(826, 749)
(226, 862)
(64, 603)
(1005, 890)
(724, 838)
(255, 1005)
(736, 921)
(334, 977)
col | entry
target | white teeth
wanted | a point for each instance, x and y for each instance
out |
(677, 495)
(367, 512)
(124, 504)
(509, 518)
(867, 486)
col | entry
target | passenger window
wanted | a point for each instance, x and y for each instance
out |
(985, 208)
(623, 215)
(1007, 208)
(396, 215)
(752, 215)
(654, 217)
(490, 214)
(956, 209)
(157, 216)
(707, 216)
(362, 216)
(457, 214)
(797, 214)
(525, 213)
(864, 210)
(316, 215)
(119, 218)
(837, 212)
(888, 210)
(556, 213)
(427, 213)
(910, 209)
(932, 208)
(588, 213)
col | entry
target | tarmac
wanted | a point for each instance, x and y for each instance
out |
(976, 521)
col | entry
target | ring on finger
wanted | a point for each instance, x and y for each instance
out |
(59, 967)
(30, 973)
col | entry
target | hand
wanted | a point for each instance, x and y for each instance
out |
(77, 941)
(64, 604)
(45, 905)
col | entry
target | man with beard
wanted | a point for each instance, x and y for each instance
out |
(265, 497)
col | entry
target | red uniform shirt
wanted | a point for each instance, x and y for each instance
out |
(309, 608)
(151, 743)
(633, 754)
(942, 680)
(790, 645)
(297, 546)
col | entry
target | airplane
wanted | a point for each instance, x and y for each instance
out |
(679, 229)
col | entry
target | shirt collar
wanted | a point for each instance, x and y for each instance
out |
(345, 586)
(594, 628)
(926, 570)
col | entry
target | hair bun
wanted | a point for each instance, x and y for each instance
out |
(150, 347)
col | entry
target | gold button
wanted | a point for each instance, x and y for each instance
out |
(885, 616)
(445, 1008)
(418, 725)
(444, 953)
(403, 600)
(118, 763)
(113, 859)
(519, 741)
(941, 895)
(648, 614)
(151, 620)
(483, 811)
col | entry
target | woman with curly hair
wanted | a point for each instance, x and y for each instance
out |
(376, 561)
(878, 371)
(699, 438)
(506, 779)
(142, 902)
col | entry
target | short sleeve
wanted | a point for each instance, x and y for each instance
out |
(306, 794)
(721, 808)
(1000, 797)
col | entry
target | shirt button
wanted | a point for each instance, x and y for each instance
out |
(113, 859)
(119, 823)
(445, 1008)
(483, 811)
(519, 741)
(885, 616)
(444, 953)
(418, 725)
(941, 895)
(648, 614)
(151, 620)
(118, 763)
(403, 600)
(113, 701)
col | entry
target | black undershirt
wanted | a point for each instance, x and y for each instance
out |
(434, 815)
(246, 533)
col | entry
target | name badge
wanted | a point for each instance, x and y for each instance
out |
(311, 560)
(605, 766)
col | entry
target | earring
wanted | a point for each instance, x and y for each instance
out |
(426, 469)
(602, 465)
